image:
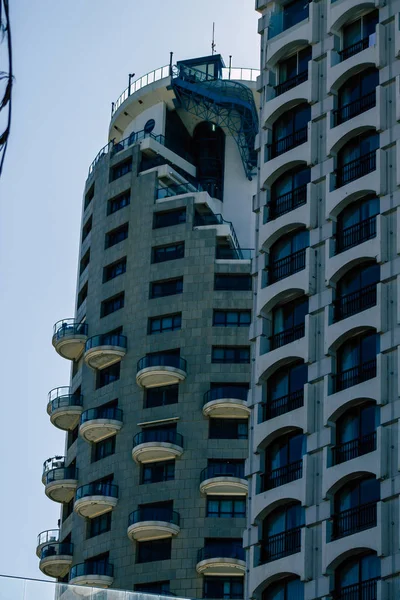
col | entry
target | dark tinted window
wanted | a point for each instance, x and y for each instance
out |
(167, 219)
(99, 525)
(166, 323)
(104, 448)
(228, 429)
(87, 228)
(116, 235)
(223, 587)
(115, 269)
(170, 252)
(167, 287)
(112, 304)
(121, 169)
(89, 196)
(161, 396)
(230, 354)
(159, 471)
(232, 282)
(226, 507)
(118, 202)
(108, 375)
(153, 550)
(154, 587)
(84, 262)
(232, 318)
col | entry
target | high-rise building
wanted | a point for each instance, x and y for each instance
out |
(152, 482)
(324, 486)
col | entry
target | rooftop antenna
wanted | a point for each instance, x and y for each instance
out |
(213, 44)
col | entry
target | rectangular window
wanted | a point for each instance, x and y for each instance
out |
(108, 375)
(120, 169)
(161, 396)
(153, 550)
(157, 472)
(118, 202)
(231, 318)
(230, 354)
(116, 235)
(112, 304)
(87, 228)
(98, 563)
(67, 509)
(169, 218)
(166, 323)
(228, 429)
(84, 262)
(99, 525)
(103, 448)
(225, 507)
(166, 287)
(89, 197)
(230, 588)
(72, 435)
(170, 252)
(228, 282)
(114, 269)
(154, 587)
(82, 295)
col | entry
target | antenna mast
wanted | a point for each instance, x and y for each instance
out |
(213, 44)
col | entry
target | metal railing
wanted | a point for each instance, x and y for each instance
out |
(177, 189)
(45, 537)
(284, 267)
(355, 234)
(288, 142)
(215, 219)
(162, 360)
(227, 253)
(284, 404)
(291, 83)
(355, 375)
(348, 450)
(149, 513)
(287, 336)
(223, 470)
(280, 545)
(356, 302)
(227, 391)
(354, 48)
(91, 568)
(352, 109)
(61, 397)
(97, 489)
(353, 520)
(61, 474)
(159, 435)
(102, 412)
(69, 327)
(59, 549)
(106, 339)
(55, 462)
(365, 590)
(355, 169)
(285, 203)
(277, 477)
(221, 551)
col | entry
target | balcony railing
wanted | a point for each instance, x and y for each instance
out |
(355, 169)
(277, 477)
(355, 48)
(280, 545)
(148, 513)
(106, 339)
(162, 360)
(177, 189)
(355, 234)
(284, 267)
(61, 474)
(97, 489)
(348, 111)
(92, 568)
(365, 590)
(47, 537)
(221, 551)
(227, 391)
(353, 520)
(288, 142)
(348, 450)
(287, 336)
(148, 436)
(223, 470)
(105, 412)
(287, 202)
(291, 83)
(351, 304)
(62, 397)
(69, 327)
(284, 404)
(215, 219)
(227, 253)
(56, 462)
(60, 549)
(355, 375)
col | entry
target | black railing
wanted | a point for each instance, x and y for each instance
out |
(162, 360)
(284, 404)
(149, 513)
(91, 568)
(365, 590)
(103, 412)
(286, 143)
(162, 435)
(221, 551)
(353, 520)
(69, 327)
(351, 304)
(223, 470)
(106, 339)
(227, 391)
(354, 48)
(355, 234)
(355, 375)
(280, 545)
(284, 267)
(227, 253)
(287, 336)
(60, 549)
(46, 537)
(285, 203)
(97, 489)
(61, 474)
(355, 169)
(290, 83)
(62, 397)
(348, 111)
(177, 189)
(348, 450)
(277, 477)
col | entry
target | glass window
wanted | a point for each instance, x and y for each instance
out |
(360, 29)
(286, 450)
(166, 323)
(295, 64)
(153, 550)
(87, 228)
(228, 429)
(112, 304)
(169, 218)
(170, 252)
(225, 282)
(99, 525)
(116, 235)
(226, 507)
(154, 587)
(357, 351)
(161, 396)
(103, 448)
(230, 354)
(287, 380)
(358, 571)
(232, 318)
(358, 278)
(108, 375)
(287, 589)
(89, 196)
(291, 121)
(231, 588)
(168, 287)
(357, 422)
(118, 202)
(290, 315)
(115, 269)
(157, 472)
(121, 169)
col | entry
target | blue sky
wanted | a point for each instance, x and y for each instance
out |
(71, 60)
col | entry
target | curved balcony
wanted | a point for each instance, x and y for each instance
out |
(61, 483)
(153, 446)
(104, 350)
(92, 574)
(95, 499)
(100, 423)
(56, 559)
(161, 369)
(152, 523)
(64, 408)
(46, 537)
(224, 480)
(226, 402)
(222, 559)
(69, 338)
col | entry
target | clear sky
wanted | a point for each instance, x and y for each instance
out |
(71, 60)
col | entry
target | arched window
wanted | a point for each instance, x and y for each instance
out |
(356, 223)
(356, 360)
(357, 95)
(355, 507)
(290, 588)
(356, 291)
(209, 155)
(281, 532)
(288, 322)
(285, 390)
(284, 460)
(356, 578)
(359, 34)
(357, 158)
(293, 70)
(290, 130)
(288, 255)
(356, 432)
(288, 192)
